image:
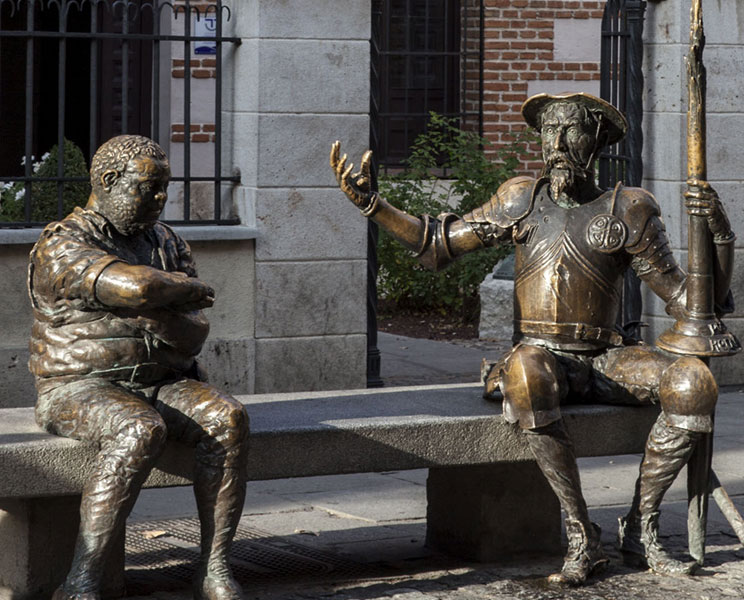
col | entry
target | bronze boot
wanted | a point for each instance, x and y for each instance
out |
(554, 454)
(667, 451)
(220, 493)
(584, 556)
(639, 544)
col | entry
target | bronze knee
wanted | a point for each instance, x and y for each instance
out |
(688, 393)
(226, 434)
(533, 384)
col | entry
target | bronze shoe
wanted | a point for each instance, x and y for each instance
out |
(216, 586)
(584, 556)
(638, 540)
(61, 594)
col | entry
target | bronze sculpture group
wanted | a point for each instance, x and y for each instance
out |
(118, 324)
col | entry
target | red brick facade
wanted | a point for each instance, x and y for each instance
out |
(519, 48)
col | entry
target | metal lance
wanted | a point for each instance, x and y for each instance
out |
(700, 332)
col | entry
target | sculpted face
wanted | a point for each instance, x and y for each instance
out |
(135, 198)
(569, 141)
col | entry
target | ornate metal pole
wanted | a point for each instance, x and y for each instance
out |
(700, 332)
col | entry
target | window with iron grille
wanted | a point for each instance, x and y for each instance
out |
(427, 55)
(74, 73)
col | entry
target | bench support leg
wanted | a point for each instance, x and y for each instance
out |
(491, 512)
(37, 539)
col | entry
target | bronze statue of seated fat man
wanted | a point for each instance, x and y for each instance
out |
(118, 322)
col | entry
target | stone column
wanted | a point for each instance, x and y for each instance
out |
(666, 39)
(301, 81)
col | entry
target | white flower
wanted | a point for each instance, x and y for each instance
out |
(20, 193)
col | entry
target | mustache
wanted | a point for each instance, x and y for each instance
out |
(566, 162)
(561, 159)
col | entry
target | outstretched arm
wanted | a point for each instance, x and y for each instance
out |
(435, 242)
(122, 285)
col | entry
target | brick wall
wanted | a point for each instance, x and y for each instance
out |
(522, 57)
(202, 73)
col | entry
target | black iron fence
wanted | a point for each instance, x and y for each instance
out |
(74, 73)
(621, 84)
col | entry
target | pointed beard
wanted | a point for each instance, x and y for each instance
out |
(561, 180)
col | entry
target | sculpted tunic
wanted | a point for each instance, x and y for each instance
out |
(75, 336)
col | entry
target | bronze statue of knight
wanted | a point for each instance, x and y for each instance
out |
(573, 244)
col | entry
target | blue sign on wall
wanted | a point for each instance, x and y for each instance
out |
(206, 26)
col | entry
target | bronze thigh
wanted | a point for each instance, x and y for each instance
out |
(94, 410)
(629, 375)
(201, 416)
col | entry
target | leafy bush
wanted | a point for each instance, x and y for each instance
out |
(471, 179)
(44, 194)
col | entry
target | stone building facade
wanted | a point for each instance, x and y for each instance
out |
(291, 278)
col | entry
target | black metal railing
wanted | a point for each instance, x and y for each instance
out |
(427, 55)
(82, 71)
(621, 84)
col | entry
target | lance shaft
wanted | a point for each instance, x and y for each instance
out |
(700, 285)
(699, 332)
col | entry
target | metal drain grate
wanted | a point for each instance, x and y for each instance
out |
(162, 555)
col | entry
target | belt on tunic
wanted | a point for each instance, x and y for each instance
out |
(577, 331)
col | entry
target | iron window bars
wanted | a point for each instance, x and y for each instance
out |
(112, 31)
(427, 55)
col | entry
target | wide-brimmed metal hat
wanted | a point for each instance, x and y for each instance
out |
(614, 122)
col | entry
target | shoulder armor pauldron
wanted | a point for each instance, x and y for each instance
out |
(511, 202)
(636, 207)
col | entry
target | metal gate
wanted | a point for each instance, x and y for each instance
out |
(621, 84)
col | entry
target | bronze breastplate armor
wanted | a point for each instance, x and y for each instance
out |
(568, 273)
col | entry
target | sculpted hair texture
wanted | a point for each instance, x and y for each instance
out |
(588, 118)
(118, 151)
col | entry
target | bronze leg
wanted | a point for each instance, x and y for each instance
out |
(554, 454)
(217, 425)
(220, 494)
(553, 451)
(132, 435)
(667, 450)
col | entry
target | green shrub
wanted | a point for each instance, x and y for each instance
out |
(470, 180)
(44, 194)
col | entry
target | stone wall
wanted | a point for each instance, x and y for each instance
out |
(301, 81)
(665, 169)
(290, 310)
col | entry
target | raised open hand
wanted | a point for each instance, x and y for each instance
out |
(357, 187)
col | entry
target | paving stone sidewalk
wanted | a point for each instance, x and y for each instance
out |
(361, 537)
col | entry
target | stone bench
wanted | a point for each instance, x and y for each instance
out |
(486, 497)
